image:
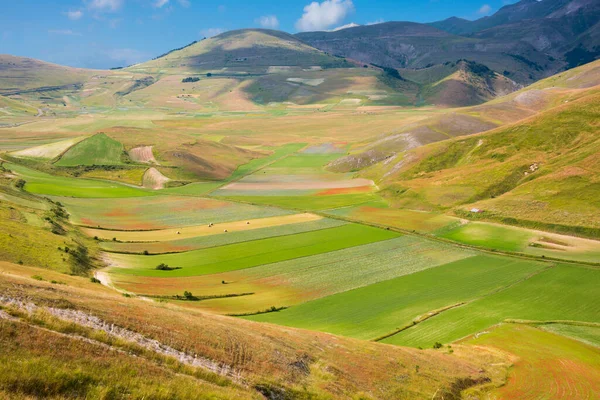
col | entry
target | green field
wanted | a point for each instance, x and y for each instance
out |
(583, 333)
(338, 271)
(46, 184)
(381, 308)
(490, 236)
(249, 254)
(560, 293)
(95, 150)
(220, 239)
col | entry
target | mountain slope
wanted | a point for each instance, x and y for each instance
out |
(528, 40)
(244, 51)
(543, 172)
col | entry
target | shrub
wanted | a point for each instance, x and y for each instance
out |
(437, 345)
(95, 280)
(37, 278)
(189, 295)
(165, 267)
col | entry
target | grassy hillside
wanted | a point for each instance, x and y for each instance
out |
(96, 150)
(541, 172)
(232, 358)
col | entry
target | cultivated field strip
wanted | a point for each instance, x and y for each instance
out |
(548, 365)
(210, 229)
(560, 293)
(250, 254)
(220, 238)
(161, 212)
(342, 270)
(378, 309)
(46, 184)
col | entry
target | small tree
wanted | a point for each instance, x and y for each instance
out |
(188, 295)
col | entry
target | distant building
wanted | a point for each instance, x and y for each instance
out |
(475, 210)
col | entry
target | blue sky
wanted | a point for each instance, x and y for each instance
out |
(109, 33)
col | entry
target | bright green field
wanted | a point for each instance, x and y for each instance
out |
(221, 239)
(354, 267)
(261, 162)
(490, 236)
(378, 309)
(96, 150)
(42, 183)
(560, 293)
(249, 254)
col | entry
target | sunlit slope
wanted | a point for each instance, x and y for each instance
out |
(387, 150)
(249, 358)
(243, 51)
(541, 172)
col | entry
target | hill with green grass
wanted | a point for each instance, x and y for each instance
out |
(541, 172)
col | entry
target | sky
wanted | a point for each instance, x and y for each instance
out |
(114, 33)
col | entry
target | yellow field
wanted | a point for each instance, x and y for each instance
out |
(200, 230)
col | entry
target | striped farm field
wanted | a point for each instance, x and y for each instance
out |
(204, 237)
(312, 202)
(298, 280)
(379, 309)
(563, 292)
(546, 366)
(160, 212)
(250, 254)
(300, 181)
(46, 184)
(398, 218)
(48, 151)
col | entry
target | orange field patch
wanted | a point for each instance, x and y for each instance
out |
(352, 190)
(546, 365)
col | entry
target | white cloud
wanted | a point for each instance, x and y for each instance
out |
(484, 10)
(210, 32)
(74, 15)
(105, 5)
(321, 16)
(350, 25)
(127, 56)
(376, 22)
(160, 3)
(268, 21)
(66, 32)
(184, 3)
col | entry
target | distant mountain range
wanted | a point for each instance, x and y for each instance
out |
(449, 63)
(526, 41)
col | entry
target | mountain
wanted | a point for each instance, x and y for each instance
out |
(242, 51)
(513, 13)
(541, 172)
(527, 41)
